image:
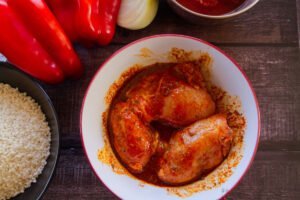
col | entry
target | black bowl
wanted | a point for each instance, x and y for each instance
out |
(17, 79)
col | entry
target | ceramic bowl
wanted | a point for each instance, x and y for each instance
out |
(199, 18)
(10, 75)
(225, 73)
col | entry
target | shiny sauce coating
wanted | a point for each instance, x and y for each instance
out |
(149, 174)
(211, 7)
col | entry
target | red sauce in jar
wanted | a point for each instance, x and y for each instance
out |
(211, 7)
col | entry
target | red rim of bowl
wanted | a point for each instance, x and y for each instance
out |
(179, 36)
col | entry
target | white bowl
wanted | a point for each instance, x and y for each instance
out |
(225, 72)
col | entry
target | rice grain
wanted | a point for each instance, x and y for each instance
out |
(24, 141)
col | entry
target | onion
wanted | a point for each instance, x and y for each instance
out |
(137, 14)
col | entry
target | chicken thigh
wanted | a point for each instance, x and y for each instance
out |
(134, 142)
(184, 105)
(195, 150)
(172, 95)
(177, 101)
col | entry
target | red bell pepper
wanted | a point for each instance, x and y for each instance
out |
(32, 39)
(87, 21)
(108, 15)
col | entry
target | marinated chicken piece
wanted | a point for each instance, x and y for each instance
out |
(165, 97)
(190, 73)
(146, 85)
(134, 142)
(142, 97)
(184, 105)
(173, 95)
(196, 150)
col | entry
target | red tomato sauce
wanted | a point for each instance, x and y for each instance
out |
(211, 7)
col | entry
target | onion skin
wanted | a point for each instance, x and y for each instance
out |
(137, 14)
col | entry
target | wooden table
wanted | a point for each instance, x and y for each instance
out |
(265, 42)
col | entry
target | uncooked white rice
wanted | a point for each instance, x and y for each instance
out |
(24, 141)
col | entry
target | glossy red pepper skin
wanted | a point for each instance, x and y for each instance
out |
(32, 39)
(93, 21)
(87, 20)
(108, 15)
(65, 12)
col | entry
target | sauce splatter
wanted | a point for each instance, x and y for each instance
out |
(231, 105)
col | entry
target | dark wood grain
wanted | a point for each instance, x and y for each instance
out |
(273, 175)
(269, 22)
(298, 19)
(265, 42)
(74, 179)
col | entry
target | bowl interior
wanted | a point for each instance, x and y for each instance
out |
(241, 9)
(17, 79)
(225, 73)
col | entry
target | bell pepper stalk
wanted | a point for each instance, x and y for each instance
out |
(32, 39)
(87, 21)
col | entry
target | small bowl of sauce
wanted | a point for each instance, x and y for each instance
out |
(199, 11)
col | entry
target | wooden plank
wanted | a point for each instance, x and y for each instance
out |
(274, 175)
(270, 21)
(273, 72)
(298, 19)
(74, 179)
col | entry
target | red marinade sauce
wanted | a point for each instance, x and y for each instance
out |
(211, 7)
